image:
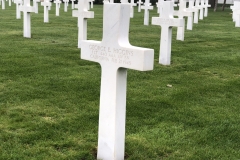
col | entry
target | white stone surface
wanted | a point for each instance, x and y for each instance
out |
(26, 8)
(196, 14)
(227, 1)
(139, 2)
(193, 9)
(237, 19)
(9, 2)
(132, 8)
(46, 5)
(82, 13)
(235, 8)
(58, 4)
(206, 5)
(147, 6)
(200, 7)
(202, 4)
(91, 3)
(73, 3)
(115, 55)
(182, 12)
(18, 12)
(126, 2)
(3, 4)
(166, 21)
(105, 1)
(159, 8)
(35, 5)
(65, 5)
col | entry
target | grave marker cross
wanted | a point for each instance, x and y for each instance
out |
(115, 55)
(139, 2)
(73, 3)
(206, 8)
(237, 19)
(58, 3)
(18, 12)
(193, 9)
(26, 9)
(66, 5)
(9, 2)
(166, 21)
(158, 4)
(82, 13)
(203, 6)
(35, 5)
(3, 4)
(200, 7)
(147, 6)
(182, 12)
(46, 5)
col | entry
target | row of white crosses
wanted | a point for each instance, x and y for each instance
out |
(2, 2)
(116, 55)
(167, 21)
(82, 13)
(236, 13)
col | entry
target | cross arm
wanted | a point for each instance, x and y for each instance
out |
(173, 22)
(184, 13)
(88, 14)
(45, 3)
(131, 57)
(26, 9)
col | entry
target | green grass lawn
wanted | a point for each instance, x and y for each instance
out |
(49, 97)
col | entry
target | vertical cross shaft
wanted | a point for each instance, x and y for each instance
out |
(115, 55)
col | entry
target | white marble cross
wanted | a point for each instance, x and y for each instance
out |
(203, 6)
(132, 8)
(159, 8)
(26, 8)
(126, 2)
(73, 3)
(18, 12)
(115, 55)
(82, 13)
(9, 2)
(3, 4)
(58, 3)
(235, 8)
(182, 12)
(139, 2)
(147, 6)
(193, 9)
(46, 5)
(200, 7)
(166, 21)
(206, 8)
(65, 5)
(35, 5)
(237, 18)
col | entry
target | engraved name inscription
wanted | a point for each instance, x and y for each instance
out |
(164, 21)
(110, 54)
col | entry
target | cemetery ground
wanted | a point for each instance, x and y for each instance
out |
(49, 97)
